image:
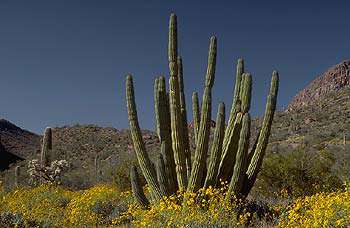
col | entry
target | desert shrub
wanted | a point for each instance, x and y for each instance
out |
(206, 208)
(298, 172)
(40, 205)
(94, 206)
(53, 206)
(319, 210)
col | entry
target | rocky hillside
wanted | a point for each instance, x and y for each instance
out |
(16, 143)
(333, 79)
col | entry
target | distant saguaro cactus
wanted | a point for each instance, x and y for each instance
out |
(17, 174)
(230, 158)
(46, 147)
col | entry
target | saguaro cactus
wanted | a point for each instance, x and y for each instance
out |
(46, 147)
(17, 174)
(230, 158)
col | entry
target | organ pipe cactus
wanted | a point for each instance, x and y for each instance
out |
(230, 158)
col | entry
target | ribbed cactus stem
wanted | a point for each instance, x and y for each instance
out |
(184, 115)
(246, 93)
(227, 157)
(229, 150)
(139, 146)
(235, 108)
(17, 174)
(156, 106)
(216, 148)
(257, 158)
(161, 174)
(241, 158)
(177, 136)
(46, 147)
(136, 188)
(165, 135)
(196, 115)
(204, 130)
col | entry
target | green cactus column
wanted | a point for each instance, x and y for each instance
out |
(46, 147)
(175, 111)
(204, 129)
(233, 128)
(216, 148)
(196, 115)
(139, 146)
(136, 188)
(165, 134)
(259, 152)
(161, 174)
(156, 105)
(184, 116)
(240, 166)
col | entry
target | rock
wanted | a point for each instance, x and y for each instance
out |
(333, 79)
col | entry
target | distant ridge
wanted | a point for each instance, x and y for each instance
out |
(17, 143)
(335, 78)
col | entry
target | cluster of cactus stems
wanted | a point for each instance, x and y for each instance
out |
(230, 158)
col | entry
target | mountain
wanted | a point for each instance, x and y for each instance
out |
(333, 79)
(16, 143)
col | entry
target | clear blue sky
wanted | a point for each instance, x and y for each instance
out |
(64, 62)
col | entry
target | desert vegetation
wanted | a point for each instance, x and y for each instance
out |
(281, 170)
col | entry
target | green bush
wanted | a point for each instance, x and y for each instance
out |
(298, 172)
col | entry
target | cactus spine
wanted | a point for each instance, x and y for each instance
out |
(230, 158)
(46, 147)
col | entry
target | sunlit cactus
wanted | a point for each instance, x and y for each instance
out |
(230, 159)
(46, 147)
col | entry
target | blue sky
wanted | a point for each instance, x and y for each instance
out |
(64, 62)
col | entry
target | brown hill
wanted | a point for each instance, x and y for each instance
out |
(16, 143)
(333, 79)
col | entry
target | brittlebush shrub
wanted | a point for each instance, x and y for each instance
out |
(44, 204)
(319, 210)
(53, 206)
(206, 208)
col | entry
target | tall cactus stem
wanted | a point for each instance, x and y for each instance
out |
(240, 166)
(246, 93)
(46, 147)
(136, 188)
(204, 130)
(165, 135)
(175, 110)
(216, 148)
(156, 106)
(161, 174)
(257, 158)
(184, 116)
(139, 145)
(196, 115)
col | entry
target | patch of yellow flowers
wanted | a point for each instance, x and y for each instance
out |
(319, 210)
(207, 207)
(60, 207)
